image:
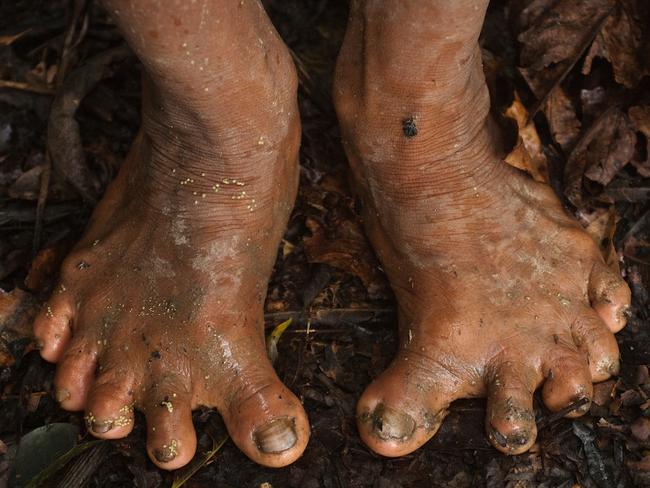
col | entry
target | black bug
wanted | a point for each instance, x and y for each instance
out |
(409, 127)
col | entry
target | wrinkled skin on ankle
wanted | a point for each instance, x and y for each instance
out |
(499, 290)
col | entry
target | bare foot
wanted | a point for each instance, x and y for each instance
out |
(160, 306)
(499, 291)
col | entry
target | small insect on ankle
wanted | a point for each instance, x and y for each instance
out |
(409, 127)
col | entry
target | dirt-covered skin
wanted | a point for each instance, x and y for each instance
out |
(160, 306)
(499, 290)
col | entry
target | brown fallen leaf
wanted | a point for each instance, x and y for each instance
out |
(602, 150)
(623, 41)
(561, 116)
(349, 251)
(528, 154)
(17, 311)
(612, 149)
(640, 118)
(602, 230)
(641, 429)
(553, 36)
(45, 265)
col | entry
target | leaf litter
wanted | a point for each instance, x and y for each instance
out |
(569, 85)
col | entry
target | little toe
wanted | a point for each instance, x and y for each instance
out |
(609, 296)
(403, 408)
(109, 407)
(510, 422)
(568, 380)
(597, 341)
(52, 328)
(171, 439)
(265, 419)
(75, 373)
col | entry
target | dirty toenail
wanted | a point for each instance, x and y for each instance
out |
(391, 424)
(101, 427)
(512, 441)
(61, 395)
(166, 453)
(276, 436)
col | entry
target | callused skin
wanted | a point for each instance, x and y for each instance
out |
(499, 290)
(160, 306)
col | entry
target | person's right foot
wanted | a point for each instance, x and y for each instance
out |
(160, 306)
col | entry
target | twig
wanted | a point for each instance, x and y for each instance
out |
(551, 419)
(329, 316)
(21, 85)
(42, 199)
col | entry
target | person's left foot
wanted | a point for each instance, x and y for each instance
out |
(499, 291)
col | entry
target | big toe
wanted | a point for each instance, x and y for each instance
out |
(404, 407)
(265, 419)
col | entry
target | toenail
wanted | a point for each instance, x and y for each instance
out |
(101, 427)
(166, 453)
(276, 436)
(391, 424)
(61, 395)
(514, 440)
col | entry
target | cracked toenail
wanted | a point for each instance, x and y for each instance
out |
(101, 427)
(276, 436)
(61, 395)
(391, 424)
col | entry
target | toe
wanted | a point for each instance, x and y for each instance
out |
(404, 407)
(171, 439)
(609, 296)
(510, 421)
(568, 380)
(52, 328)
(109, 407)
(75, 373)
(597, 341)
(265, 419)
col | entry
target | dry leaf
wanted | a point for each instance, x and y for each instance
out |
(562, 120)
(623, 41)
(602, 230)
(528, 154)
(17, 311)
(349, 251)
(601, 152)
(553, 35)
(640, 118)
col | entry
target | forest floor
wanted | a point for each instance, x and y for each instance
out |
(570, 89)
